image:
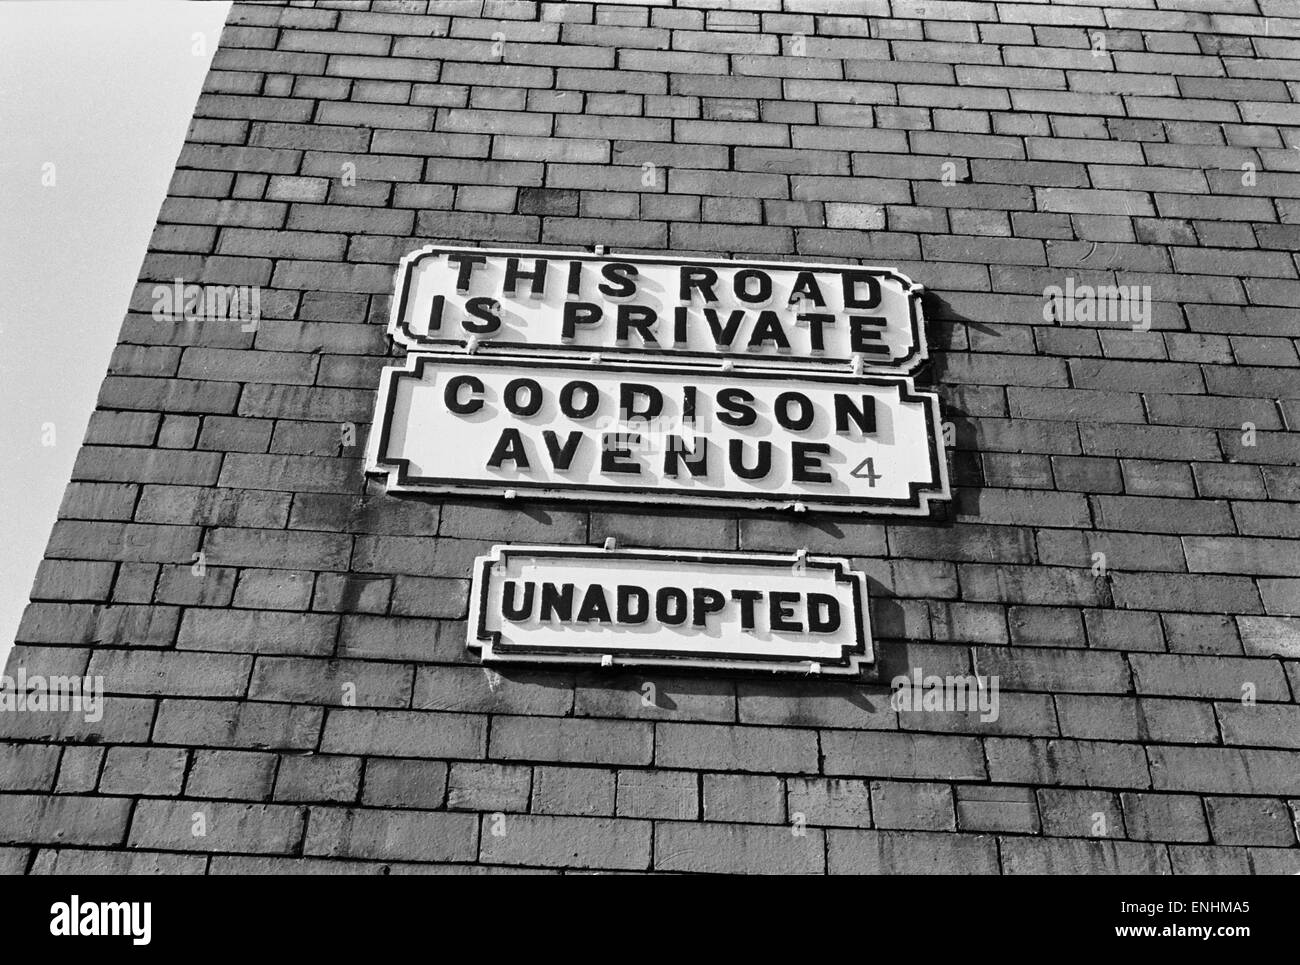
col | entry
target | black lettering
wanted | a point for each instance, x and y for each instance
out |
(509, 609)
(740, 283)
(562, 455)
(739, 406)
(557, 602)
(536, 277)
(594, 606)
(724, 334)
(697, 278)
(578, 313)
(679, 325)
(618, 280)
(639, 318)
(864, 417)
(466, 264)
(818, 622)
(514, 406)
(747, 599)
(851, 280)
(509, 448)
(615, 449)
(815, 322)
(627, 595)
(630, 392)
(768, 329)
(760, 469)
(866, 333)
(805, 285)
(485, 310)
(590, 399)
(451, 395)
(806, 411)
(780, 612)
(670, 606)
(675, 453)
(806, 458)
(706, 601)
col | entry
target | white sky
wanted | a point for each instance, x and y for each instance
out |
(104, 92)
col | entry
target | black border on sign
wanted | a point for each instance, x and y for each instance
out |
(853, 658)
(416, 363)
(399, 328)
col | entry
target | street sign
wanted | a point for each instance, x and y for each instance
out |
(568, 303)
(478, 425)
(670, 608)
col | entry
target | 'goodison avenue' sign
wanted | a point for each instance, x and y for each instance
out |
(643, 433)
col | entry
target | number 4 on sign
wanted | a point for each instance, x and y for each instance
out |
(869, 464)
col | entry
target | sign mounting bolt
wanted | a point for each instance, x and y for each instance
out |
(607, 660)
(471, 344)
(611, 543)
(856, 364)
(510, 494)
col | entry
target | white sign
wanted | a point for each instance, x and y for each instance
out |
(567, 303)
(642, 433)
(555, 604)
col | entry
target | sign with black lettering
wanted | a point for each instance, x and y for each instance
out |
(642, 433)
(674, 608)
(567, 303)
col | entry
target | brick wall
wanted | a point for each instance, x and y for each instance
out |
(989, 150)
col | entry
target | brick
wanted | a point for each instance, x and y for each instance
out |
(405, 783)
(737, 849)
(911, 756)
(573, 790)
(748, 798)
(1224, 770)
(242, 775)
(1254, 821)
(910, 852)
(997, 809)
(751, 749)
(912, 805)
(30, 818)
(403, 733)
(488, 787)
(571, 741)
(1074, 855)
(401, 835)
(250, 631)
(318, 778)
(155, 771)
(670, 795)
(1065, 762)
(567, 842)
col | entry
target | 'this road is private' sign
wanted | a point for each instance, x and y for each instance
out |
(562, 302)
(643, 433)
(552, 604)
